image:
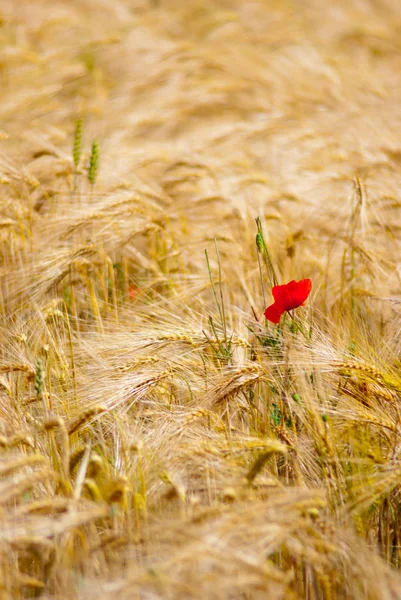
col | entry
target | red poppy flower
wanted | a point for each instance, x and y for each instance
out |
(133, 291)
(286, 297)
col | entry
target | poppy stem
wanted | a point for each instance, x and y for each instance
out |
(261, 281)
(223, 313)
(221, 347)
(297, 326)
(215, 350)
(262, 247)
(254, 314)
(225, 347)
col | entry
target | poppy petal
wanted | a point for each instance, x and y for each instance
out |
(298, 291)
(286, 297)
(273, 313)
(292, 294)
(279, 292)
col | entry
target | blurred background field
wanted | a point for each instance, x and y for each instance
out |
(159, 439)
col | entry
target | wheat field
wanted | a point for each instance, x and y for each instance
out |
(159, 438)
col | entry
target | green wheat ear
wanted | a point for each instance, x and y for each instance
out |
(93, 163)
(78, 139)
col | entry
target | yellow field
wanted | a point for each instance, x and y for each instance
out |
(159, 439)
